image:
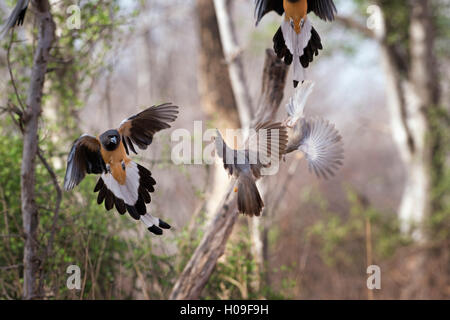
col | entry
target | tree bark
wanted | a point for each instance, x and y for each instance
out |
(201, 265)
(30, 121)
(412, 94)
(232, 54)
(215, 89)
(216, 92)
(412, 89)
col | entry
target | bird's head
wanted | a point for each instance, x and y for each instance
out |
(110, 139)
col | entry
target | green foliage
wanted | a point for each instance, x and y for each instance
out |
(341, 238)
(439, 139)
(234, 274)
(106, 248)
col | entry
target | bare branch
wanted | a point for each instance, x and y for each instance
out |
(201, 265)
(353, 24)
(30, 215)
(233, 58)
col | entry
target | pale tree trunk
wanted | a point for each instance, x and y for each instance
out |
(216, 93)
(232, 54)
(201, 265)
(412, 89)
(241, 92)
(30, 120)
(412, 94)
(422, 94)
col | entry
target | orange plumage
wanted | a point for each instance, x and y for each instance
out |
(296, 11)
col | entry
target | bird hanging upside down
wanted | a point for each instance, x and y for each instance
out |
(296, 40)
(16, 17)
(123, 183)
(316, 139)
(246, 164)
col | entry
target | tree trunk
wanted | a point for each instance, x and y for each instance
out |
(215, 89)
(216, 92)
(412, 90)
(30, 121)
(201, 265)
(412, 96)
(235, 67)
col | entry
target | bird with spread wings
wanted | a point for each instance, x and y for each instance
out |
(123, 183)
(265, 146)
(296, 40)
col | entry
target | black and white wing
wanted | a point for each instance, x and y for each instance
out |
(132, 196)
(140, 128)
(264, 6)
(84, 157)
(324, 9)
(322, 146)
(16, 17)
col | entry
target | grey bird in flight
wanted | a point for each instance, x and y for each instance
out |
(265, 146)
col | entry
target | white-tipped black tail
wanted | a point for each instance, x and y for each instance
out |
(153, 224)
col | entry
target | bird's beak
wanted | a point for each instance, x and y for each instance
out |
(114, 140)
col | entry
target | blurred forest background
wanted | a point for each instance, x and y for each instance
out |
(386, 89)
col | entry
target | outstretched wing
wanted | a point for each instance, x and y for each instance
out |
(264, 6)
(16, 17)
(322, 146)
(266, 144)
(228, 155)
(84, 157)
(324, 9)
(140, 128)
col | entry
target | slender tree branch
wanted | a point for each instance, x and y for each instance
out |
(351, 23)
(30, 118)
(201, 265)
(235, 67)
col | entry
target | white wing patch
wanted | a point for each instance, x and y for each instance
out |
(296, 43)
(128, 192)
